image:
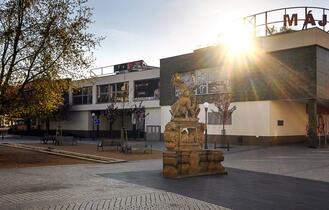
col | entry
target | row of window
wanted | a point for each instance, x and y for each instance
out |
(118, 92)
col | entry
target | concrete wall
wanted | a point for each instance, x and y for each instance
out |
(293, 115)
(312, 36)
(250, 119)
(257, 119)
(77, 121)
(165, 117)
(82, 121)
(154, 117)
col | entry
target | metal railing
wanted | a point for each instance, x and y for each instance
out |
(261, 20)
(109, 70)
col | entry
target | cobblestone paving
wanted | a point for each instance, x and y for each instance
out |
(80, 187)
(156, 200)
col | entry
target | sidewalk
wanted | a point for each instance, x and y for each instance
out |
(272, 177)
(156, 145)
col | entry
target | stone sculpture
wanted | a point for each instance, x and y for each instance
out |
(184, 136)
(186, 106)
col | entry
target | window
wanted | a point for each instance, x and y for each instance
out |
(121, 92)
(103, 93)
(147, 89)
(117, 92)
(83, 95)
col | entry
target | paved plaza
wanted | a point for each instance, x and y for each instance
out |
(277, 177)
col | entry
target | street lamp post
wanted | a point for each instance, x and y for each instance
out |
(124, 135)
(97, 127)
(206, 106)
(93, 117)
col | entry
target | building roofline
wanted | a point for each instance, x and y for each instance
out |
(280, 41)
(295, 39)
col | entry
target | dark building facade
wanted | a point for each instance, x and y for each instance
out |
(287, 70)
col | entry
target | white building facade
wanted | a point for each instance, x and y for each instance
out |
(89, 99)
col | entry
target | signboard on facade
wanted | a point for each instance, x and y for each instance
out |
(131, 66)
(292, 20)
(97, 121)
(288, 19)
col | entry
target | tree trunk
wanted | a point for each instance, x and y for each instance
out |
(110, 133)
(47, 126)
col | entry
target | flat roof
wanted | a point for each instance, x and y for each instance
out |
(295, 39)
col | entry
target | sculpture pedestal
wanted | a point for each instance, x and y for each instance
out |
(186, 163)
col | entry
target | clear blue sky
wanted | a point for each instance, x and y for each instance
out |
(155, 29)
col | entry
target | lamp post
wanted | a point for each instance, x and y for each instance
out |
(124, 135)
(93, 117)
(206, 106)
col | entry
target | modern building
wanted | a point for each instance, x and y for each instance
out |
(280, 90)
(126, 88)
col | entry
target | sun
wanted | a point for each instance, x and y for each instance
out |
(238, 43)
(237, 39)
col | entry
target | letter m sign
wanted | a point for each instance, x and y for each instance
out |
(287, 21)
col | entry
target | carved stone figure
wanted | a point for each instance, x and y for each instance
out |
(182, 107)
(186, 106)
(171, 136)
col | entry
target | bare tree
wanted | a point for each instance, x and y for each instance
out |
(139, 114)
(112, 113)
(225, 110)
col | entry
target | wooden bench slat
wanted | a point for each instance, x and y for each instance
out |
(108, 142)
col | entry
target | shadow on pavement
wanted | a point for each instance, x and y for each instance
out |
(240, 189)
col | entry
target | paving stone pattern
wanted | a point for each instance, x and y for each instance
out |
(80, 187)
(156, 200)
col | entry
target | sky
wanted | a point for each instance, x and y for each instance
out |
(153, 29)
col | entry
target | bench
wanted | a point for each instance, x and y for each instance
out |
(109, 142)
(129, 146)
(61, 139)
(46, 138)
(75, 135)
(3, 132)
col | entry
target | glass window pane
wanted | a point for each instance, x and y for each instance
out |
(119, 86)
(77, 100)
(84, 91)
(90, 90)
(77, 91)
(104, 88)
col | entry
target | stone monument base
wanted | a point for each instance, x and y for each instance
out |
(187, 163)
